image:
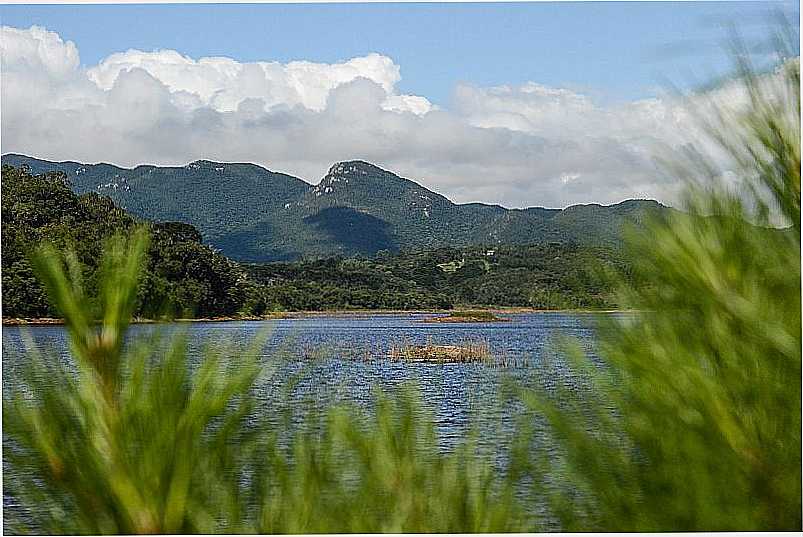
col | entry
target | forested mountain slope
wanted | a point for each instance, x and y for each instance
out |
(253, 214)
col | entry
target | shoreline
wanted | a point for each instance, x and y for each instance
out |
(44, 321)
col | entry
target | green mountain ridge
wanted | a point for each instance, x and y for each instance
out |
(253, 214)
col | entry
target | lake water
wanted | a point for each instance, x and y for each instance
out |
(322, 360)
(336, 358)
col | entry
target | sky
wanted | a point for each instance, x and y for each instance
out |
(520, 104)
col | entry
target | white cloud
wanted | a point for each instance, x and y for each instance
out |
(38, 49)
(514, 145)
(223, 83)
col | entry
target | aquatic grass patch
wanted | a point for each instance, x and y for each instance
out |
(467, 352)
(472, 350)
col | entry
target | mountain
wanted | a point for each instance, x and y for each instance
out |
(254, 214)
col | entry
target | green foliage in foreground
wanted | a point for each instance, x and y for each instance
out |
(385, 474)
(122, 447)
(705, 383)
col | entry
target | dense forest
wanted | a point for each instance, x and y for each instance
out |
(182, 274)
(186, 277)
(549, 276)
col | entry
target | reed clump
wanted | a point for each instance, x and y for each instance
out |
(477, 351)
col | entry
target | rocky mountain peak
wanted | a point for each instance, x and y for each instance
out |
(354, 168)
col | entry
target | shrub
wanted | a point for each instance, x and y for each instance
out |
(694, 424)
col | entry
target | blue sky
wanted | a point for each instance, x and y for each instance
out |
(612, 52)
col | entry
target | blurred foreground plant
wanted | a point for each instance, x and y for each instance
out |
(125, 444)
(385, 474)
(695, 424)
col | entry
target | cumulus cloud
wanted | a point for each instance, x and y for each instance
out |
(223, 83)
(518, 146)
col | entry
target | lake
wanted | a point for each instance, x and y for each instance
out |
(321, 360)
(337, 358)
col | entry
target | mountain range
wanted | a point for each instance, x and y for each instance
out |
(253, 214)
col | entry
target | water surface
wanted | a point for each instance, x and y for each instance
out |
(318, 361)
(344, 358)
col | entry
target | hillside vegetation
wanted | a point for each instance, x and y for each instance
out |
(182, 274)
(255, 215)
(187, 278)
(550, 276)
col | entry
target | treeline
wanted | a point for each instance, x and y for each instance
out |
(187, 278)
(182, 276)
(550, 276)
